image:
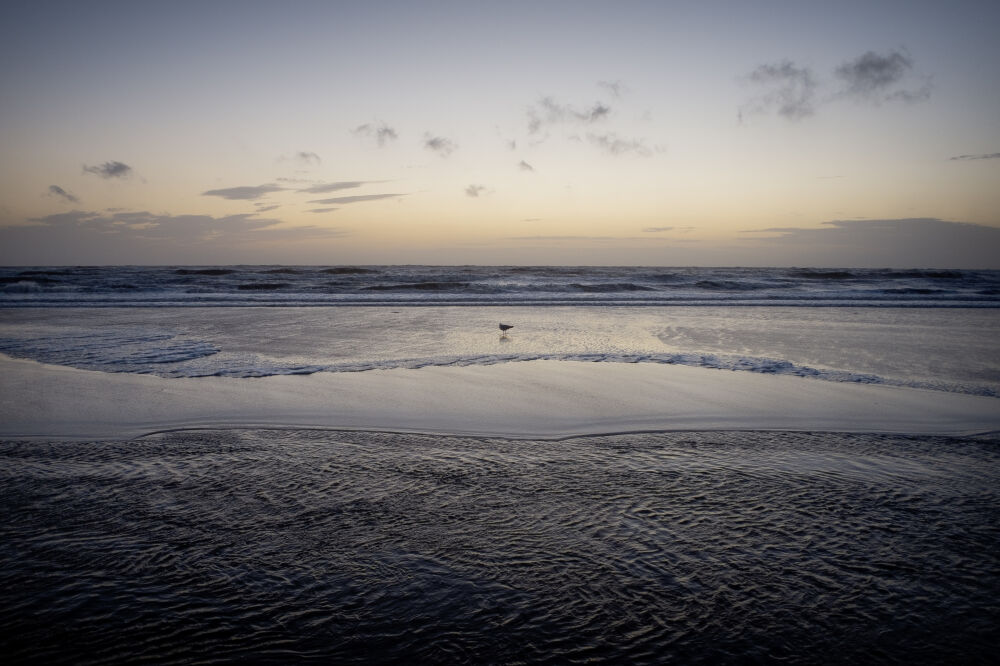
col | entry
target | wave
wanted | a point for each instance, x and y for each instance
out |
(171, 356)
(263, 286)
(610, 287)
(204, 271)
(348, 270)
(729, 285)
(418, 286)
(929, 275)
(497, 285)
(138, 352)
(812, 274)
(767, 366)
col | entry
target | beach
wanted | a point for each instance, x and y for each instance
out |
(312, 546)
(529, 399)
(406, 484)
(118, 372)
(500, 333)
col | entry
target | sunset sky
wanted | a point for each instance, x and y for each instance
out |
(657, 133)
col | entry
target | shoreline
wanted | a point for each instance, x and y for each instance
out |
(548, 400)
(987, 435)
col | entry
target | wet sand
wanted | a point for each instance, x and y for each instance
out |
(524, 399)
(284, 546)
(766, 519)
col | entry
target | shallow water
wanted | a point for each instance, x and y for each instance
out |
(278, 546)
(951, 349)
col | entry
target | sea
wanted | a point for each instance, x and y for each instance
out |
(235, 286)
(285, 546)
(934, 329)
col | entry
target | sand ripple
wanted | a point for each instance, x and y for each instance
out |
(278, 546)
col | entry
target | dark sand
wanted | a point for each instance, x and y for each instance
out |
(284, 546)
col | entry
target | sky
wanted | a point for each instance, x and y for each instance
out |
(628, 133)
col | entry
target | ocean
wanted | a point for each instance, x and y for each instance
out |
(491, 285)
(932, 329)
(285, 546)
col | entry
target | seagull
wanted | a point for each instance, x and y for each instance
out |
(505, 327)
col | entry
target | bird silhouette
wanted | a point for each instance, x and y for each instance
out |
(505, 327)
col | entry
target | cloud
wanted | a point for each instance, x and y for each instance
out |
(440, 145)
(874, 77)
(524, 166)
(244, 193)
(307, 157)
(302, 157)
(984, 156)
(474, 191)
(321, 210)
(56, 191)
(613, 145)
(80, 236)
(892, 243)
(356, 198)
(656, 230)
(264, 209)
(381, 132)
(549, 112)
(616, 88)
(323, 188)
(110, 170)
(789, 90)
(575, 239)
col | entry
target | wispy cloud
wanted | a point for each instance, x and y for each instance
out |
(264, 209)
(321, 210)
(612, 144)
(656, 230)
(474, 191)
(788, 89)
(307, 157)
(144, 226)
(244, 192)
(573, 239)
(549, 112)
(524, 166)
(616, 88)
(323, 188)
(983, 156)
(56, 191)
(380, 132)
(439, 144)
(109, 170)
(302, 158)
(355, 199)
